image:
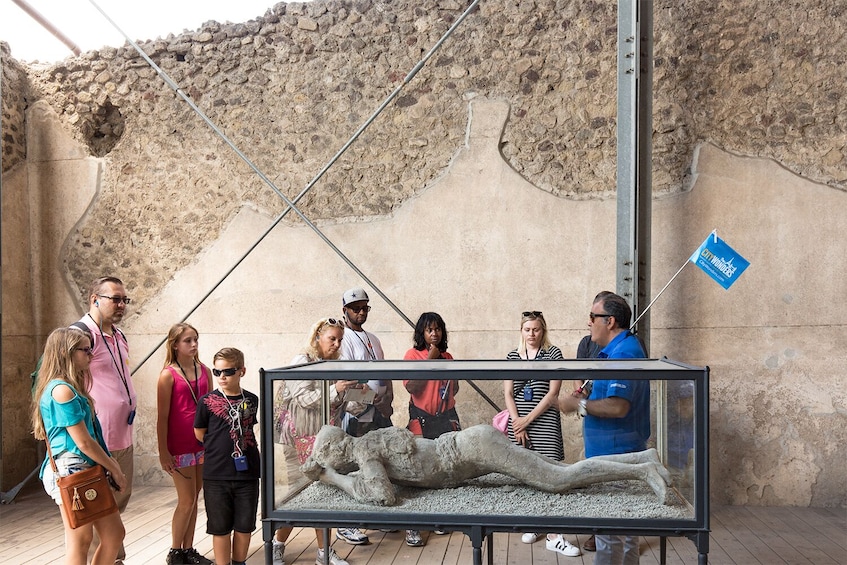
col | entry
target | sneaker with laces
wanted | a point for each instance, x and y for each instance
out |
(175, 557)
(530, 537)
(333, 558)
(413, 538)
(353, 536)
(560, 545)
(278, 553)
(191, 556)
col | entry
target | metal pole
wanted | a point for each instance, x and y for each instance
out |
(45, 23)
(657, 296)
(290, 204)
(634, 134)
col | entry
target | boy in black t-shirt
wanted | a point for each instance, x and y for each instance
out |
(224, 423)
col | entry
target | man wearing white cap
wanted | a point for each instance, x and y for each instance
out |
(361, 345)
(358, 344)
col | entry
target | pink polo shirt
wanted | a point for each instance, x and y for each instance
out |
(111, 385)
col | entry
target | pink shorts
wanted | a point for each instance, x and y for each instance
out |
(189, 459)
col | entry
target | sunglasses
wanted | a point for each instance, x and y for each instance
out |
(116, 299)
(531, 313)
(331, 322)
(357, 309)
(225, 372)
(87, 350)
(592, 316)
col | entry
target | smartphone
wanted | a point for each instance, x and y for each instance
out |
(112, 482)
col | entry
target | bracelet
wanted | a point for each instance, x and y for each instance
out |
(582, 409)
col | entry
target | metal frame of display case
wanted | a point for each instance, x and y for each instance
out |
(480, 528)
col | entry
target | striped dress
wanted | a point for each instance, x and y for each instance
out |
(545, 432)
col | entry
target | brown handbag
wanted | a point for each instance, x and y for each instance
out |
(86, 495)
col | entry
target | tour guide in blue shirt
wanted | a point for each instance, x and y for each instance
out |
(617, 412)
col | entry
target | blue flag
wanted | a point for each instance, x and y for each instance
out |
(719, 261)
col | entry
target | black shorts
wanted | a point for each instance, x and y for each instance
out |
(230, 506)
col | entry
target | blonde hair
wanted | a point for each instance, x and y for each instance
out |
(174, 334)
(310, 349)
(57, 364)
(545, 340)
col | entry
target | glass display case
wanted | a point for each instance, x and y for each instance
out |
(494, 497)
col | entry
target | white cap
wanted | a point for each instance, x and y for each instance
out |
(354, 295)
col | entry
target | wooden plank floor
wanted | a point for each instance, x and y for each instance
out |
(31, 533)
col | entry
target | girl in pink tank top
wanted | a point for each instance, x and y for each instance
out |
(182, 382)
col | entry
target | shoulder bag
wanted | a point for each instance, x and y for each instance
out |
(86, 495)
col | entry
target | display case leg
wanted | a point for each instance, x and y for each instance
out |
(268, 531)
(326, 534)
(663, 550)
(490, 547)
(476, 542)
(701, 540)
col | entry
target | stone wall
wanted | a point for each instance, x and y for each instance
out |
(290, 87)
(157, 189)
(14, 90)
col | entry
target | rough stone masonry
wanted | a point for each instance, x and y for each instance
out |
(761, 78)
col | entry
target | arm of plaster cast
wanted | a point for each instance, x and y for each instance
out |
(372, 486)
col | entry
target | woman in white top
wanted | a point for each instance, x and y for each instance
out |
(298, 418)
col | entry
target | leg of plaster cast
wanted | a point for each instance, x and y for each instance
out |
(646, 456)
(491, 451)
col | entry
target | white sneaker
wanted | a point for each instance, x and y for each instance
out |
(530, 537)
(560, 545)
(334, 559)
(353, 536)
(278, 553)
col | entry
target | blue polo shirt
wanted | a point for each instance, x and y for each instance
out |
(608, 436)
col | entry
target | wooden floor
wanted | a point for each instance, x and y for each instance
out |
(31, 532)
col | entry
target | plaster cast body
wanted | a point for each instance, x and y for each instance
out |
(395, 455)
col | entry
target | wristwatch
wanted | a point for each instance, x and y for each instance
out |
(582, 409)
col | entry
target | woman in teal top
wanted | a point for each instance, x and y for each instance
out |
(63, 414)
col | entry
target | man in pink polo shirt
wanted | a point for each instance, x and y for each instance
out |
(111, 384)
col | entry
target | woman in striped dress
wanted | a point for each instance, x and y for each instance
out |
(534, 420)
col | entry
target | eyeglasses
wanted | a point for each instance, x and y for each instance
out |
(357, 309)
(592, 316)
(532, 313)
(117, 299)
(225, 372)
(87, 350)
